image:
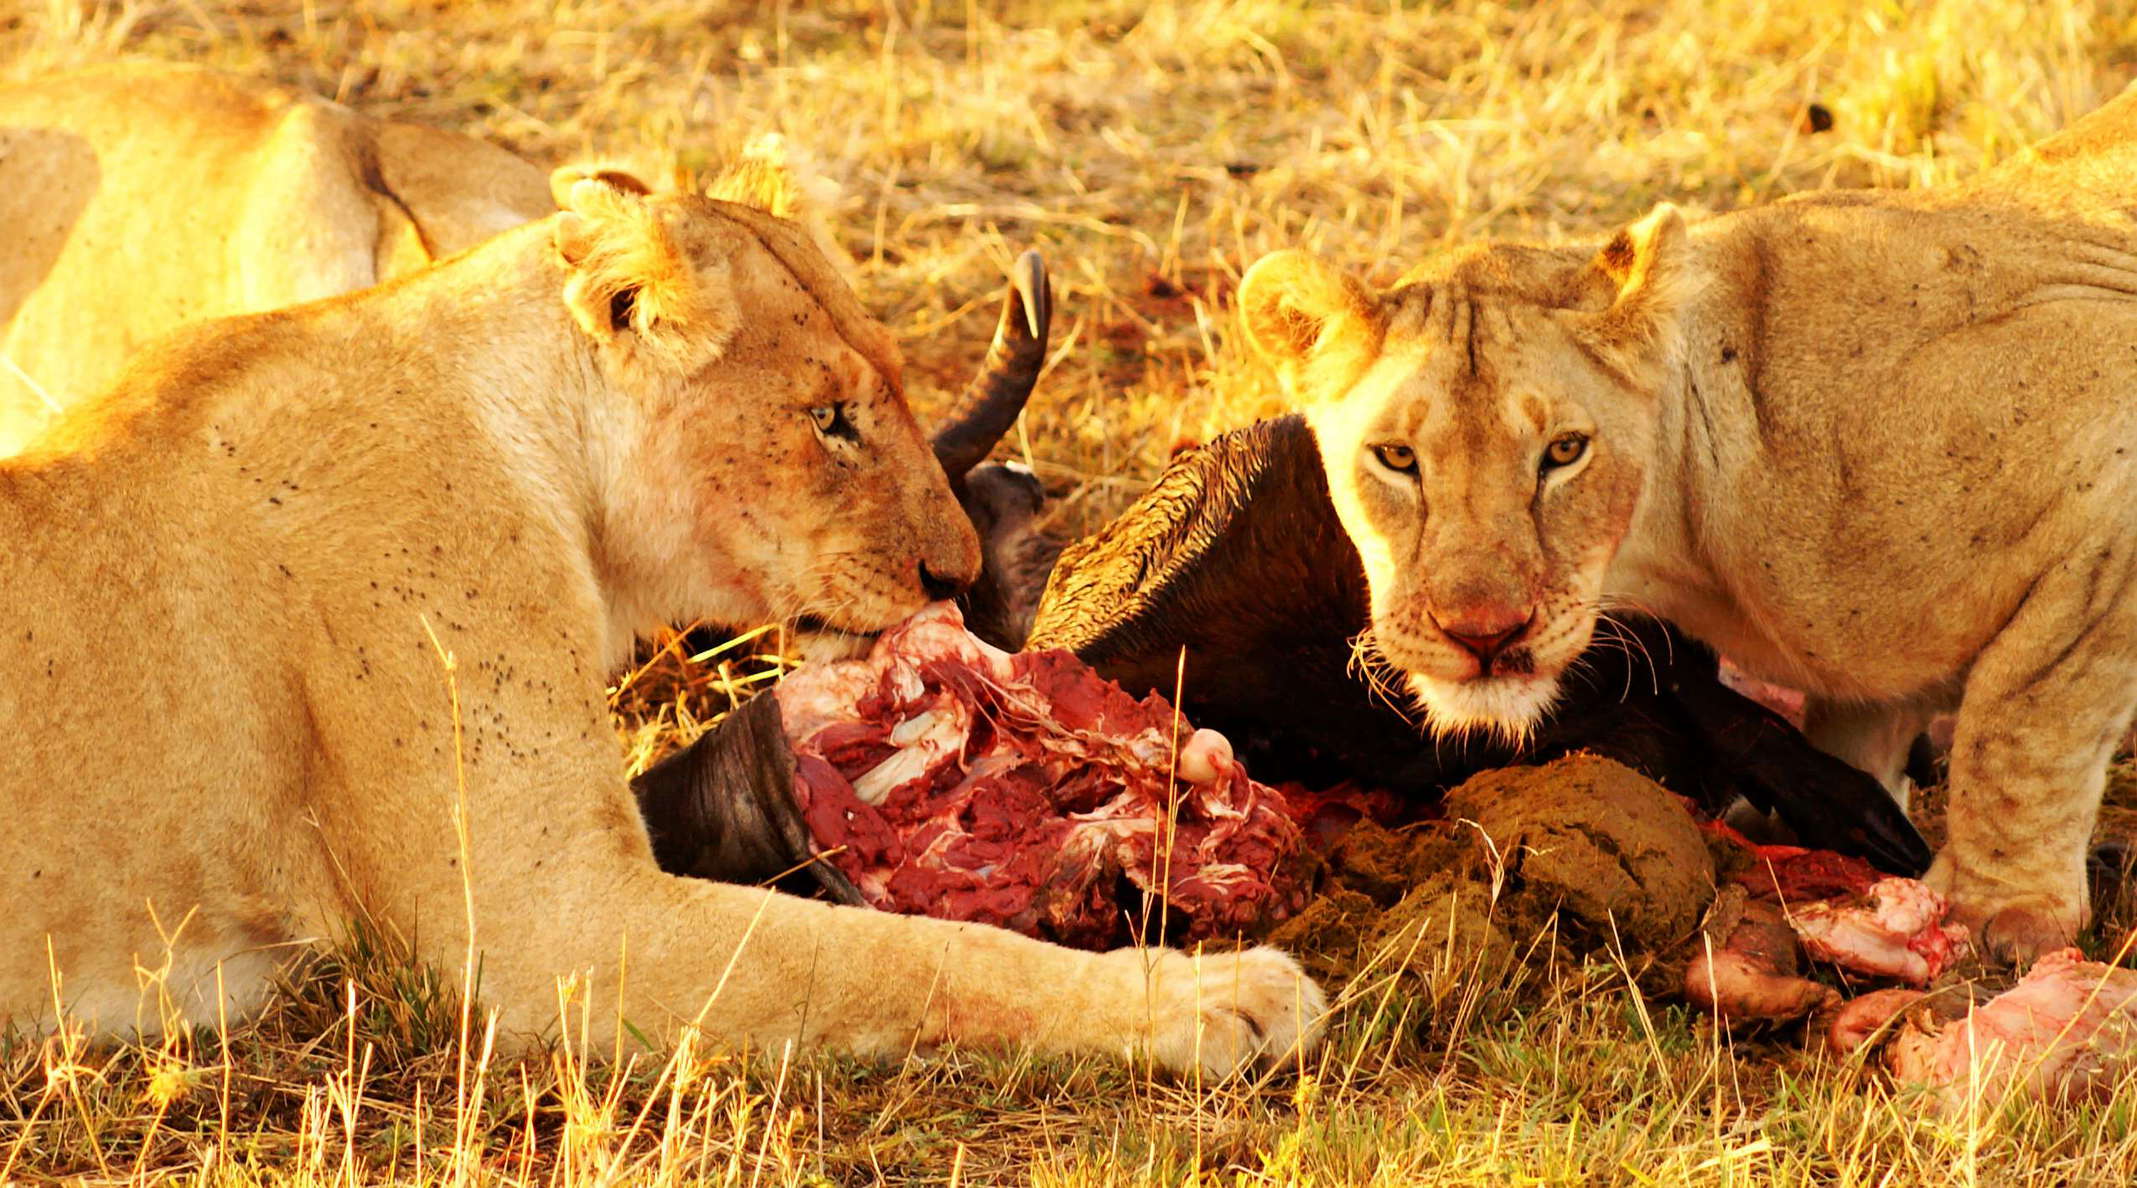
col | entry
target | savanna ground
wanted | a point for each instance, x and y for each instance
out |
(1153, 151)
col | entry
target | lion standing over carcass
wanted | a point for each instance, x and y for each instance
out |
(1874, 445)
(375, 555)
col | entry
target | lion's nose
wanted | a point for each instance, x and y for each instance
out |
(1484, 632)
(939, 588)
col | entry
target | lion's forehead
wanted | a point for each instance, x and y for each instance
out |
(1438, 393)
(789, 331)
(794, 263)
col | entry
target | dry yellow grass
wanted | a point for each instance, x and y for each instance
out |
(1153, 151)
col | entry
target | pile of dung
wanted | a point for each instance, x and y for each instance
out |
(1398, 902)
(1581, 851)
(1616, 852)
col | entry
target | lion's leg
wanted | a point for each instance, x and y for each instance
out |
(563, 883)
(124, 935)
(746, 964)
(1874, 737)
(2044, 705)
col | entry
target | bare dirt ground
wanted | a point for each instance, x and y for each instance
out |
(1153, 151)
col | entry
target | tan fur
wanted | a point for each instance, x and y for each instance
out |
(583, 427)
(1876, 445)
(138, 197)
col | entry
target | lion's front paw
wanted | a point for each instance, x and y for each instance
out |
(1224, 1012)
(2017, 933)
(2011, 927)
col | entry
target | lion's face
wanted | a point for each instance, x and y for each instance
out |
(813, 484)
(1486, 498)
(1486, 432)
(778, 472)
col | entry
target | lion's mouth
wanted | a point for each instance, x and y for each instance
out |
(817, 638)
(817, 641)
(1504, 696)
(1514, 663)
(1450, 664)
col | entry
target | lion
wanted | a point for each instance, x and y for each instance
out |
(1874, 445)
(375, 555)
(141, 196)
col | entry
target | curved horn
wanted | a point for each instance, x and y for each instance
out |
(995, 397)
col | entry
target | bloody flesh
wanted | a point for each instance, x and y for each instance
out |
(2063, 1033)
(1895, 929)
(1834, 910)
(946, 777)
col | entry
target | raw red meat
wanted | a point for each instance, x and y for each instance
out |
(1857, 1021)
(2066, 1032)
(1324, 815)
(1753, 973)
(946, 777)
(1894, 930)
(1829, 907)
(1792, 874)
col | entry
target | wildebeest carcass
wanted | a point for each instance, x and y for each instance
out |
(1231, 584)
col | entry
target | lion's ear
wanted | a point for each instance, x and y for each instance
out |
(764, 183)
(779, 180)
(564, 179)
(626, 279)
(1298, 310)
(1639, 284)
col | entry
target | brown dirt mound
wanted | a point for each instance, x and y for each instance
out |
(1404, 902)
(1437, 904)
(1386, 864)
(1445, 934)
(1614, 850)
(1329, 937)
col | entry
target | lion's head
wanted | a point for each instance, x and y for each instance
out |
(771, 467)
(1487, 427)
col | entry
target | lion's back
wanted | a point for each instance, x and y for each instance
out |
(2090, 164)
(141, 197)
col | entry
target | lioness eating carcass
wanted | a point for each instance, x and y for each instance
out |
(377, 553)
(1874, 445)
(141, 196)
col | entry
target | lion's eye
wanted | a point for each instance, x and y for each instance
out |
(1564, 450)
(831, 421)
(1399, 458)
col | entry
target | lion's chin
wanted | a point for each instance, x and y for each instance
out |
(1506, 709)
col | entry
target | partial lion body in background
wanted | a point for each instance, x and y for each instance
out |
(142, 197)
